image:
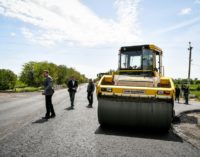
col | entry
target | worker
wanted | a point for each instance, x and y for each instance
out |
(72, 88)
(186, 93)
(90, 90)
(177, 93)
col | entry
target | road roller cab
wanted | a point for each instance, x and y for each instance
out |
(137, 95)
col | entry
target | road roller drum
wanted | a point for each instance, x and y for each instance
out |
(135, 112)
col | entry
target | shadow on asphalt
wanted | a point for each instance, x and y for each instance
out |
(183, 103)
(139, 133)
(69, 108)
(40, 121)
(176, 120)
(90, 107)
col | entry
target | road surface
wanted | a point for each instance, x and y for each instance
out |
(75, 133)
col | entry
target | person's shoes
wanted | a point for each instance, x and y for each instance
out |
(89, 106)
(53, 116)
(72, 107)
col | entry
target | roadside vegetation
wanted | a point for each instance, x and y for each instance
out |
(7, 79)
(31, 78)
(194, 87)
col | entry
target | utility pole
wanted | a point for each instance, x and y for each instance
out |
(190, 60)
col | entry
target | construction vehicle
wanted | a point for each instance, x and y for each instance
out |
(137, 94)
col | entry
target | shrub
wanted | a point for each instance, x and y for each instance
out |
(198, 88)
(7, 79)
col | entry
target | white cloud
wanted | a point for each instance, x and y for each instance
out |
(185, 11)
(197, 1)
(12, 34)
(2, 10)
(179, 25)
(72, 22)
(38, 37)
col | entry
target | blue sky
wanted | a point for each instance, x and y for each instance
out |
(87, 34)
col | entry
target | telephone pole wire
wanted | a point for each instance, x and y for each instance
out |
(190, 60)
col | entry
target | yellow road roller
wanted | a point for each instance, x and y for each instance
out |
(137, 94)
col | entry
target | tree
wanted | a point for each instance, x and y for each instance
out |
(7, 79)
(197, 81)
(28, 74)
(32, 73)
(62, 74)
(73, 72)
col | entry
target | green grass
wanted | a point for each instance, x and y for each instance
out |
(197, 94)
(195, 87)
(20, 84)
(27, 89)
(195, 90)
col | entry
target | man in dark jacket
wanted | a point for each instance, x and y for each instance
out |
(90, 90)
(177, 93)
(48, 92)
(72, 87)
(186, 93)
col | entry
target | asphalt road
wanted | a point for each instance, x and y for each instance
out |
(76, 132)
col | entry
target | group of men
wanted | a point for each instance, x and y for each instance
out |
(185, 91)
(72, 85)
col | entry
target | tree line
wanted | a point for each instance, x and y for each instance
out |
(32, 75)
(185, 81)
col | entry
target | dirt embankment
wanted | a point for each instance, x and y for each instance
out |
(188, 127)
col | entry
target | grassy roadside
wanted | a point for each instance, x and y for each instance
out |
(21, 89)
(28, 89)
(195, 90)
(197, 94)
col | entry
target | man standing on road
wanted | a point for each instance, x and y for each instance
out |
(186, 93)
(90, 90)
(72, 87)
(48, 92)
(177, 93)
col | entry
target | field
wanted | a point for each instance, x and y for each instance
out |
(195, 90)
